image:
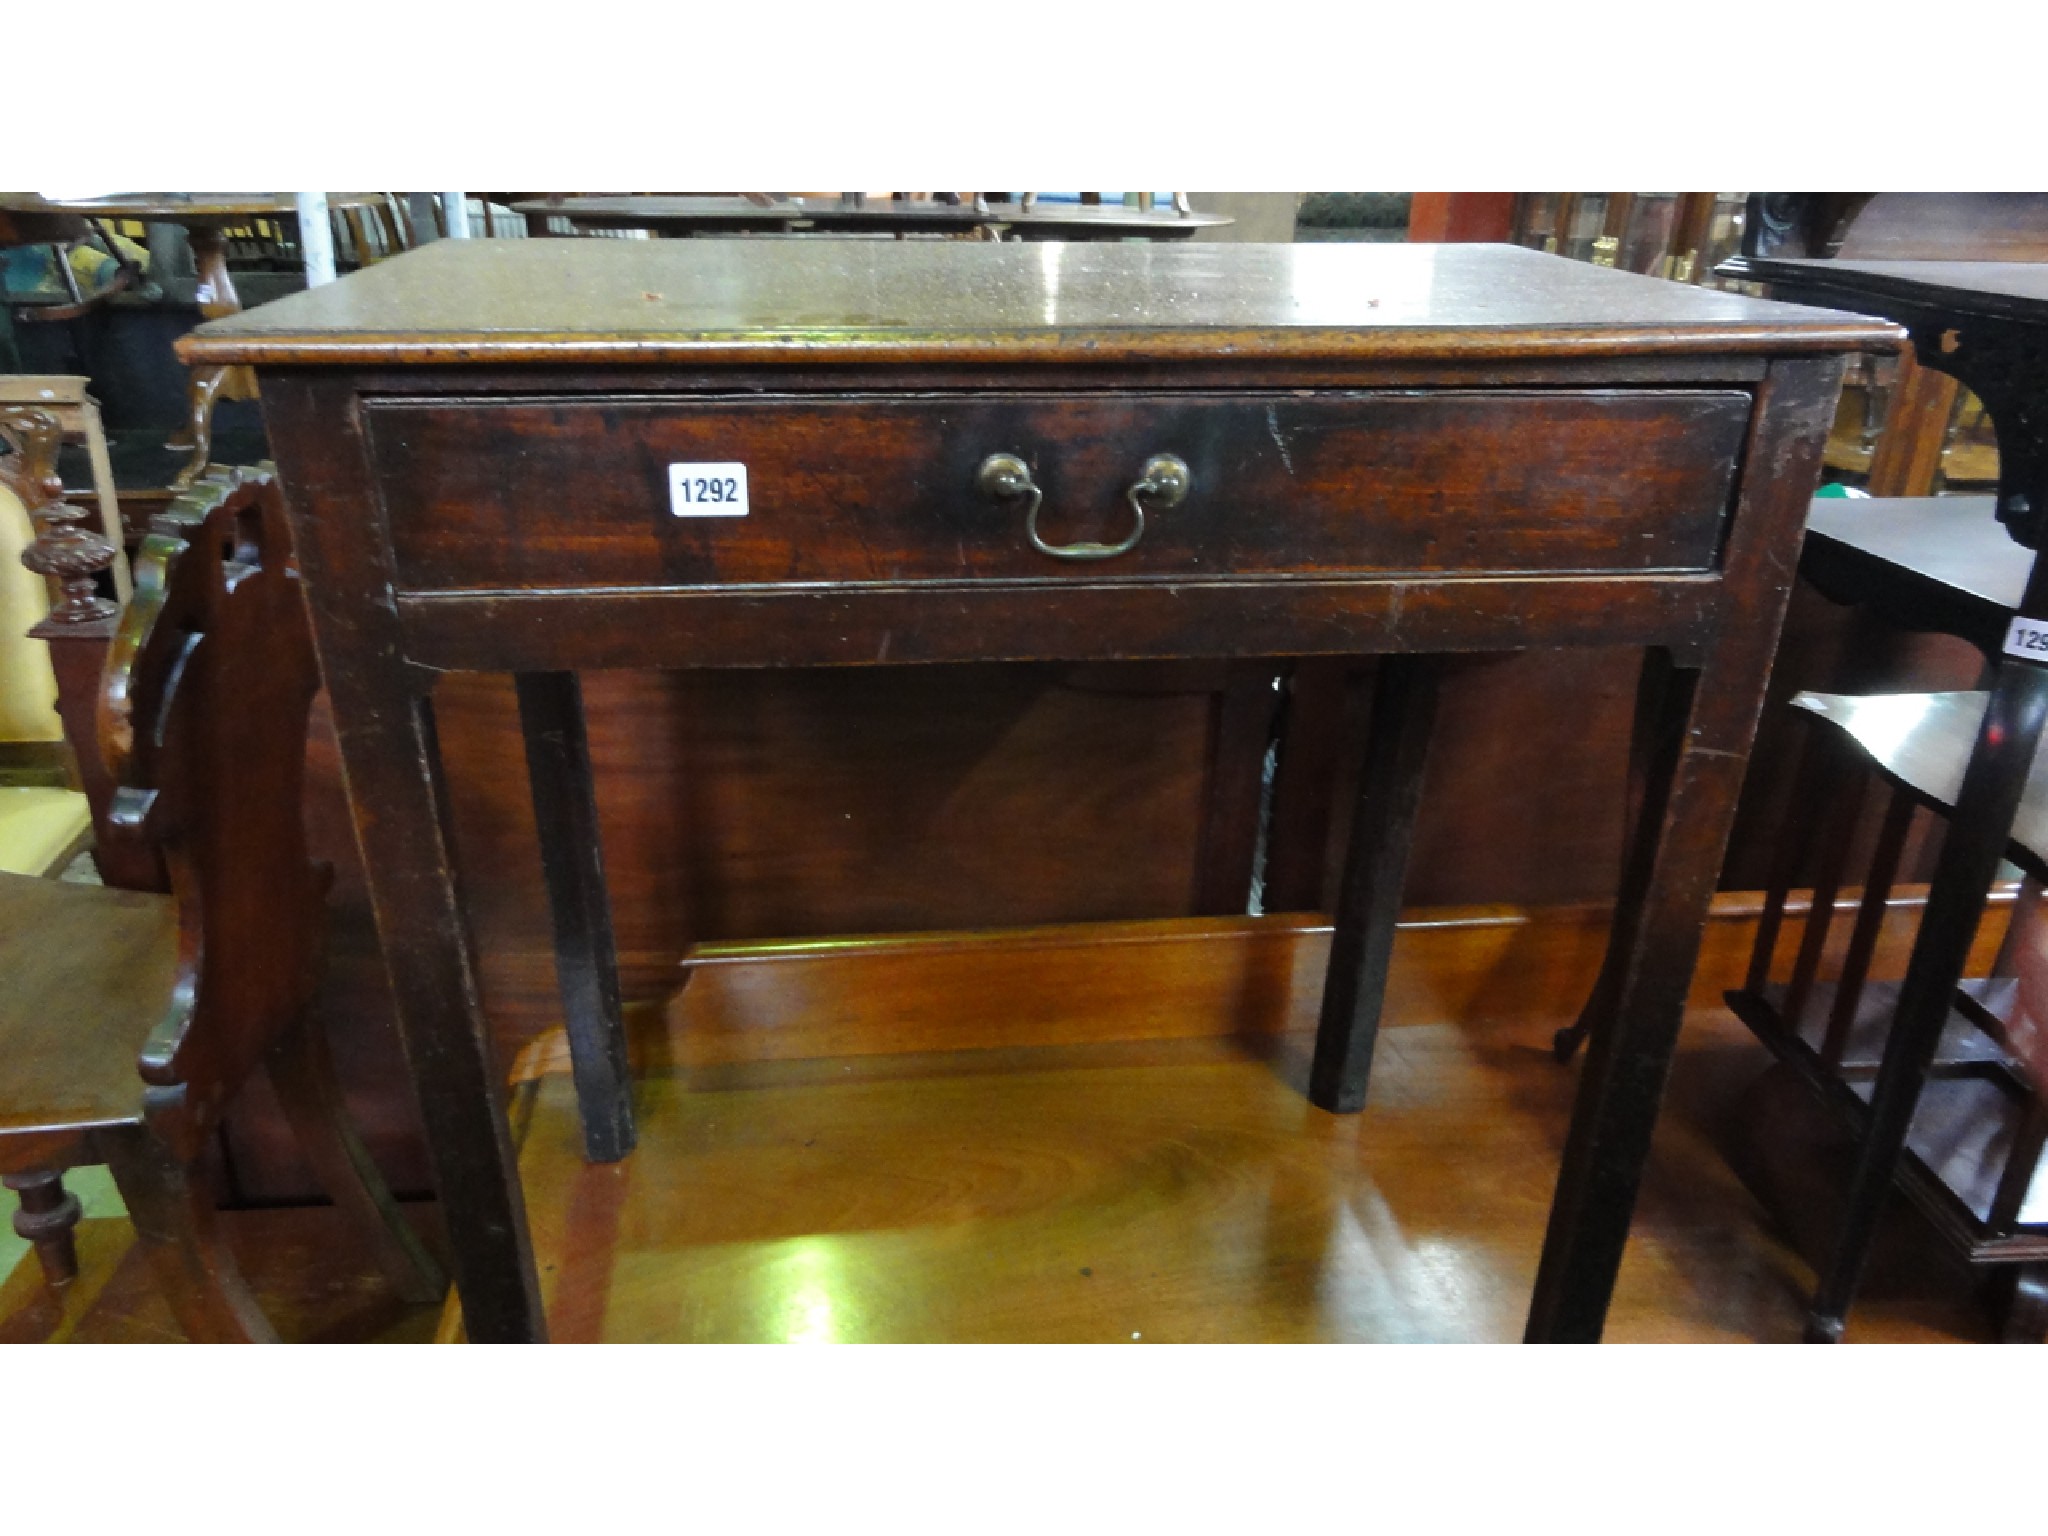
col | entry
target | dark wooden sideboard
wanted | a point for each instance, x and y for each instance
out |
(1395, 450)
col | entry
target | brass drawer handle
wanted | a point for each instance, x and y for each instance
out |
(1164, 482)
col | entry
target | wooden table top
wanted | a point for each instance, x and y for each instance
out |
(1105, 219)
(182, 207)
(568, 301)
(2005, 290)
(653, 212)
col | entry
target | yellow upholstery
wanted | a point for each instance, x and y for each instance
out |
(28, 688)
(41, 828)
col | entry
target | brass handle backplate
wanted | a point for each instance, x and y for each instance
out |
(1163, 482)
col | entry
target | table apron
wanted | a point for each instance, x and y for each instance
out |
(990, 621)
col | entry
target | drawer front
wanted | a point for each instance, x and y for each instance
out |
(484, 495)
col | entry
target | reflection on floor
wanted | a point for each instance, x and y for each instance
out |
(815, 1165)
(306, 1267)
(1176, 1191)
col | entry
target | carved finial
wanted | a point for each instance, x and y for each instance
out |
(64, 553)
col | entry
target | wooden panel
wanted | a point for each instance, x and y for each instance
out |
(883, 490)
(751, 806)
(1459, 216)
(1523, 792)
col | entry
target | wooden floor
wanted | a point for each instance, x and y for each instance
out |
(315, 1280)
(815, 1166)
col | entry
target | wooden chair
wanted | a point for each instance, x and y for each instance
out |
(202, 721)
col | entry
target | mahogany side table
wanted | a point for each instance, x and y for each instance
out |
(544, 456)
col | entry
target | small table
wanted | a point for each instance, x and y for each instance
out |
(859, 453)
(1083, 221)
(682, 216)
(688, 216)
(205, 217)
(1985, 322)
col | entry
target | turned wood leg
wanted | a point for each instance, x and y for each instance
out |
(1375, 869)
(45, 1219)
(197, 433)
(572, 862)
(302, 1071)
(177, 1226)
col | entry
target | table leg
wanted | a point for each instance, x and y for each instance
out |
(1375, 869)
(216, 296)
(572, 861)
(201, 390)
(1666, 886)
(1650, 749)
(384, 724)
(1701, 716)
(1971, 850)
(394, 767)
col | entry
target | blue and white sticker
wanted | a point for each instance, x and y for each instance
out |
(707, 490)
(2027, 639)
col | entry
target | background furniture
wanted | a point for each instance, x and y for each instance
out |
(55, 663)
(209, 219)
(1988, 324)
(44, 821)
(203, 719)
(854, 213)
(1973, 1146)
(936, 578)
(1679, 235)
(78, 421)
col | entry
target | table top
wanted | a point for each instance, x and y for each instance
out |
(1104, 220)
(652, 212)
(2006, 290)
(182, 207)
(647, 301)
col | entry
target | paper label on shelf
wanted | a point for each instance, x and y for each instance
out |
(2027, 639)
(707, 490)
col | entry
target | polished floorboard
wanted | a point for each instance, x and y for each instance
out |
(1178, 1191)
(814, 1175)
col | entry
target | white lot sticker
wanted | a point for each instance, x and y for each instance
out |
(2028, 639)
(707, 490)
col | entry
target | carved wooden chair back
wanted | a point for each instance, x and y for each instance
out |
(202, 722)
(203, 719)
